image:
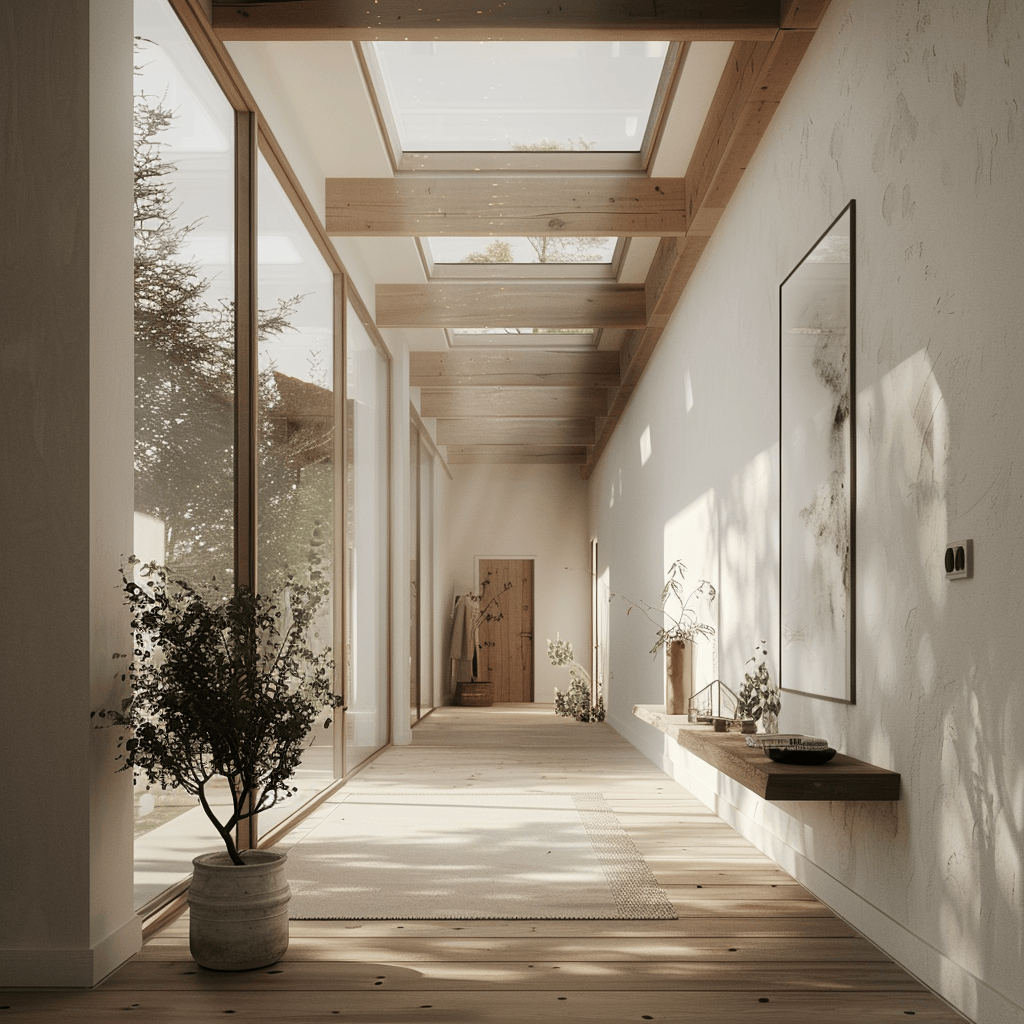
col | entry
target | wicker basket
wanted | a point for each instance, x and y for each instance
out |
(475, 695)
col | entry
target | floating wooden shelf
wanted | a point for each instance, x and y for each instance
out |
(842, 778)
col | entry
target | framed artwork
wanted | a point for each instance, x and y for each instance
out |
(818, 467)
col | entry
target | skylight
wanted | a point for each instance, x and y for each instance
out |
(506, 96)
(520, 251)
(521, 337)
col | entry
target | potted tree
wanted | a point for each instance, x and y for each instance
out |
(226, 685)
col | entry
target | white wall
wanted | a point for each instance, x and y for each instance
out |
(66, 917)
(914, 110)
(534, 512)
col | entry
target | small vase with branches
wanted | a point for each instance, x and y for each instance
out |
(760, 700)
(677, 605)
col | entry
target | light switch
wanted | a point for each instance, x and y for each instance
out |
(959, 559)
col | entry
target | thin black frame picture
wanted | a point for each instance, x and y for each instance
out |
(817, 467)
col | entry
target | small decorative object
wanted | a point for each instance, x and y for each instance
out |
(224, 686)
(579, 701)
(715, 700)
(787, 740)
(793, 748)
(760, 699)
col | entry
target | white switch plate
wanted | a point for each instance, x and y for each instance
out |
(959, 559)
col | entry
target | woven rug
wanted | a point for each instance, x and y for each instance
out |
(471, 856)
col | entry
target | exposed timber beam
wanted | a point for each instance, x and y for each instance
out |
(531, 454)
(513, 368)
(494, 19)
(748, 95)
(486, 204)
(523, 401)
(426, 438)
(512, 304)
(516, 430)
(801, 13)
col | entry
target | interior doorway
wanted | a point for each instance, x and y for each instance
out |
(506, 644)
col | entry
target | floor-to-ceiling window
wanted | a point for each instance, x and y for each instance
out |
(420, 527)
(367, 529)
(296, 435)
(187, 417)
(184, 317)
(184, 361)
(425, 565)
(412, 526)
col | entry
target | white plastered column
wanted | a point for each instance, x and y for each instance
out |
(66, 423)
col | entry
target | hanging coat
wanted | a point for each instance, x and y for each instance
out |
(463, 638)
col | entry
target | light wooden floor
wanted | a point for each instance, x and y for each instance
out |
(750, 944)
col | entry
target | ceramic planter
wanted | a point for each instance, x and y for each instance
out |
(238, 914)
(678, 678)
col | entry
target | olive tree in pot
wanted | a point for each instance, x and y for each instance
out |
(224, 686)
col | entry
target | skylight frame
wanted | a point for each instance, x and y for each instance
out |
(590, 162)
(548, 341)
(523, 271)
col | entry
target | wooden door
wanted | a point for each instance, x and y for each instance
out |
(506, 655)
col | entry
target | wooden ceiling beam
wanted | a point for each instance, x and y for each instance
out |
(513, 368)
(562, 305)
(487, 204)
(751, 88)
(530, 454)
(498, 19)
(523, 401)
(515, 430)
(801, 13)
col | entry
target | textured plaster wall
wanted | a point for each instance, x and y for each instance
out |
(915, 111)
(534, 512)
(66, 917)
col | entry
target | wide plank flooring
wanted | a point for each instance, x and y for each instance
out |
(749, 945)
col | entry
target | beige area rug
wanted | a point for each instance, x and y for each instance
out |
(472, 856)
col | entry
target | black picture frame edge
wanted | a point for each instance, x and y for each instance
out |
(851, 636)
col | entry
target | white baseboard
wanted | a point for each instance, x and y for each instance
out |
(952, 982)
(70, 968)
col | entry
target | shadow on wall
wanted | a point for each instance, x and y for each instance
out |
(946, 861)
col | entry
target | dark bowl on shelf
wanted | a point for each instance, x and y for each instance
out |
(786, 755)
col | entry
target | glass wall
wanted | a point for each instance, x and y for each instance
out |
(296, 438)
(425, 529)
(367, 416)
(184, 318)
(420, 526)
(184, 365)
(412, 524)
(185, 182)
